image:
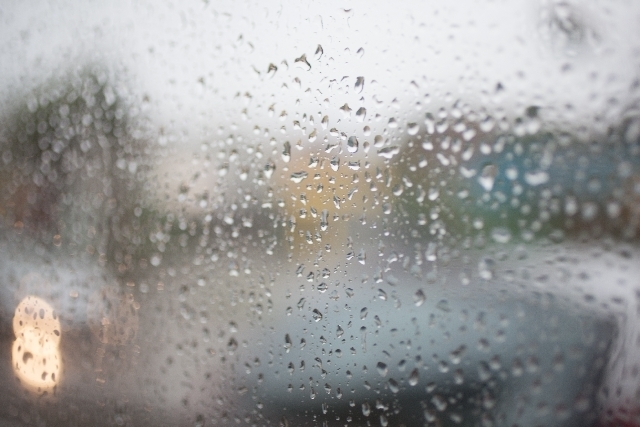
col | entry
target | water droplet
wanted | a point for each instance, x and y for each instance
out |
(363, 313)
(271, 70)
(413, 128)
(354, 165)
(486, 268)
(325, 122)
(232, 345)
(419, 298)
(488, 176)
(414, 377)
(361, 114)
(432, 251)
(335, 163)
(388, 152)
(319, 52)
(362, 257)
(287, 342)
(443, 305)
(352, 144)
(393, 385)
(382, 368)
(313, 136)
(439, 402)
(501, 235)
(434, 193)
(297, 177)
(324, 220)
(286, 152)
(269, 168)
(317, 316)
(536, 178)
(302, 62)
(366, 409)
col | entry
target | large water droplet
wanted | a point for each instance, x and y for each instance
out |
(302, 62)
(366, 409)
(297, 177)
(388, 152)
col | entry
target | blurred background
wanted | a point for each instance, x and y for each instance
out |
(336, 214)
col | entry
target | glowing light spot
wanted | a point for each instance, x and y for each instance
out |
(35, 353)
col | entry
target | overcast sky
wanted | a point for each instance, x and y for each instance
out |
(191, 58)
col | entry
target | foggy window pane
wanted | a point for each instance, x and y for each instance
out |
(333, 214)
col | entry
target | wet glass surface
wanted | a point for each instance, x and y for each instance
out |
(341, 214)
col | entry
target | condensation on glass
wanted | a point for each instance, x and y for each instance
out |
(335, 214)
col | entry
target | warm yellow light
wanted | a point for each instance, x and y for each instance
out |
(35, 353)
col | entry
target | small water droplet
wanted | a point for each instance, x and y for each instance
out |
(382, 369)
(393, 385)
(335, 163)
(488, 176)
(269, 168)
(352, 144)
(287, 342)
(271, 70)
(501, 235)
(286, 152)
(414, 377)
(419, 298)
(536, 178)
(486, 268)
(443, 305)
(317, 316)
(362, 257)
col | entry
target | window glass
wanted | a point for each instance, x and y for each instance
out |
(333, 214)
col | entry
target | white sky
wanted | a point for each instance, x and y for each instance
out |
(462, 48)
